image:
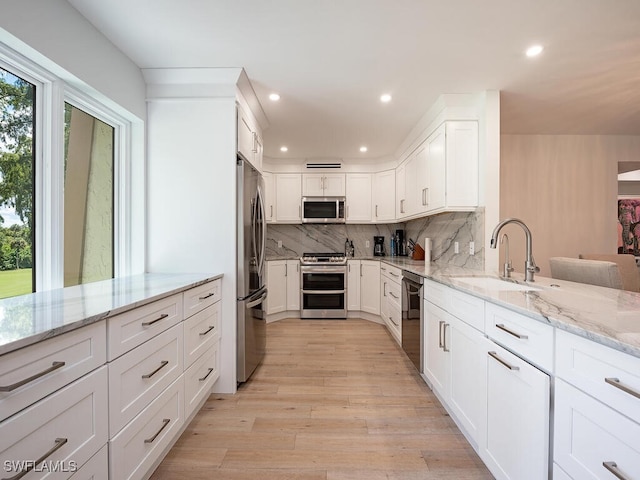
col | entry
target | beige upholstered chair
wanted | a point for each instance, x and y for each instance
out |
(593, 272)
(627, 266)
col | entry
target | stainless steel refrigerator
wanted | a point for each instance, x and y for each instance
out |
(251, 289)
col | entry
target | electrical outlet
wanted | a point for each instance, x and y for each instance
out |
(456, 247)
(279, 243)
(366, 244)
(472, 248)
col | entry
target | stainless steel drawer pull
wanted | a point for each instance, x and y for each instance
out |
(161, 317)
(9, 388)
(59, 442)
(207, 331)
(205, 377)
(206, 296)
(511, 332)
(613, 468)
(394, 274)
(394, 296)
(165, 422)
(440, 323)
(510, 367)
(393, 321)
(616, 383)
(444, 337)
(163, 364)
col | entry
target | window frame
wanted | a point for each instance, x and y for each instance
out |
(51, 95)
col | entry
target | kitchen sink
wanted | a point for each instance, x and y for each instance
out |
(493, 283)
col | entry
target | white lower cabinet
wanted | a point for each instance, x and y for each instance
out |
(437, 367)
(518, 396)
(199, 379)
(353, 285)
(136, 448)
(293, 284)
(370, 286)
(97, 468)
(390, 300)
(63, 430)
(283, 284)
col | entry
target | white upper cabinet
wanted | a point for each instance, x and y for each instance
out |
(323, 185)
(269, 196)
(434, 196)
(249, 140)
(384, 196)
(461, 164)
(288, 198)
(358, 197)
(401, 200)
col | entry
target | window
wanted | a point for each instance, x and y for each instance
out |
(17, 120)
(69, 214)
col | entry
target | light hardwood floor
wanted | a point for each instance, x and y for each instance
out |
(334, 399)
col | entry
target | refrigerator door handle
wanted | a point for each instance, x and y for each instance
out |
(258, 301)
(263, 230)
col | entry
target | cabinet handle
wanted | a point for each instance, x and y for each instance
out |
(510, 367)
(271, 209)
(161, 317)
(286, 269)
(54, 366)
(613, 468)
(59, 442)
(207, 296)
(347, 211)
(440, 323)
(384, 289)
(205, 377)
(376, 211)
(349, 268)
(392, 321)
(444, 337)
(402, 206)
(393, 295)
(511, 332)
(163, 364)
(207, 330)
(625, 388)
(394, 274)
(360, 269)
(299, 212)
(165, 422)
(424, 201)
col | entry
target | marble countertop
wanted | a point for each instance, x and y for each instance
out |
(28, 319)
(605, 315)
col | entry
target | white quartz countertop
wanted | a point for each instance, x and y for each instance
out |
(605, 315)
(28, 319)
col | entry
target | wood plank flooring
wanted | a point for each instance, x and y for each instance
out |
(333, 400)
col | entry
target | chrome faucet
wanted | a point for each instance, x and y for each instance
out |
(507, 268)
(530, 266)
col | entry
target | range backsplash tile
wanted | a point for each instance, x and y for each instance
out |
(443, 229)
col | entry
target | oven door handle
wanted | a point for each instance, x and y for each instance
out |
(323, 292)
(323, 269)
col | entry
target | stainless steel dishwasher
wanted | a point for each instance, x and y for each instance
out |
(412, 317)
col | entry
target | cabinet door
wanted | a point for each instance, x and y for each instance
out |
(245, 136)
(462, 164)
(421, 180)
(384, 299)
(436, 170)
(288, 198)
(411, 186)
(313, 185)
(384, 196)
(334, 185)
(353, 285)
(258, 151)
(293, 284)
(437, 366)
(517, 418)
(468, 384)
(359, 197)
(269, 196)
(401, 201)
(370, 287)
(277, 286)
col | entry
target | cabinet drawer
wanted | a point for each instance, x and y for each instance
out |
(97, 468)
(394, 323)
(201, 297)
(51, 365)
(130, 329)
(594, 369)
(199, 379)
(135, 449)
(437, 294)
(200, 332)
(139, 376)
(587, 434)
(524, 336)
(394, 273)
(467, 308)
(70, 425)
(393, 291)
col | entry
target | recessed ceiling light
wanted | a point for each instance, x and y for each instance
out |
(534, 51)
(274, 97)
(386, 98)
(284, 149)
(363, 149)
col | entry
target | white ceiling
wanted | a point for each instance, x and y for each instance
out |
(330, 61)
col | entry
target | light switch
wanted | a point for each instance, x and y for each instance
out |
(456, 247)
(366, 244)
(279, 243)
(472, 248)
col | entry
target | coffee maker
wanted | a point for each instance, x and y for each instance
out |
(378, 246)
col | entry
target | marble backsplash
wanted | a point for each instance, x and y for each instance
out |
(444, 230)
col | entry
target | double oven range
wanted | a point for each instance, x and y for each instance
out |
(323, 282)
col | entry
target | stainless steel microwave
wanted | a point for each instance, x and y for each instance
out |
(323, 210)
